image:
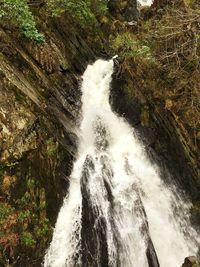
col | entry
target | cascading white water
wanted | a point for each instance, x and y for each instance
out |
(145, 2)
(118, 167)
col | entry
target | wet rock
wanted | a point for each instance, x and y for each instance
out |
(165, 137)
(131, 12)
(191, 261)
(93, 234)
(124, 10)
(40, 104)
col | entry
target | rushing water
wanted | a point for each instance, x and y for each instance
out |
(145, 2)
(118, 212)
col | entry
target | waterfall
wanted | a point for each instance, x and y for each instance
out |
(145, 2)
(118, 212)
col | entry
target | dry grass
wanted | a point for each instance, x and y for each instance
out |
(175, 41)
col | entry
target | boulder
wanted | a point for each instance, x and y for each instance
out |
(124, 10)
(191, 261)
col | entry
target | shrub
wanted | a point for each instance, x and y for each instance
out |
(84, 12)
(9, 239)
(127, 46)
(99, 7)
(78, 10)
(27, 239)
(24, 224)
(176, 39)
(18, 11)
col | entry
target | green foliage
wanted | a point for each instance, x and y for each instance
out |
(52, 147)
(23, 215)
(9, 239)
(18, 12)
(32, 219)
(127, 46)
(25, 223)
(99, 7)
(30, 183)
(43, 229)
(27, 239)
(84, 12)
(78, 10)
(193, 3)
(5, 211)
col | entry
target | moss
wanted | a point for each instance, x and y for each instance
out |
(27, 240)
(25, 200)
(19, 14)
(52, 147)
(144, 117)
(192, 3)
(30, 208)
(64, 65)
(127, 45)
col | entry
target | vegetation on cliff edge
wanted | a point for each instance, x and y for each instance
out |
(19, 13)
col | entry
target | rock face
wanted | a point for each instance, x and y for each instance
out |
(93, 234)
(164, 137)
(39, 117)
(124, 10)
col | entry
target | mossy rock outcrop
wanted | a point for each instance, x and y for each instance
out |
(39, 118)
